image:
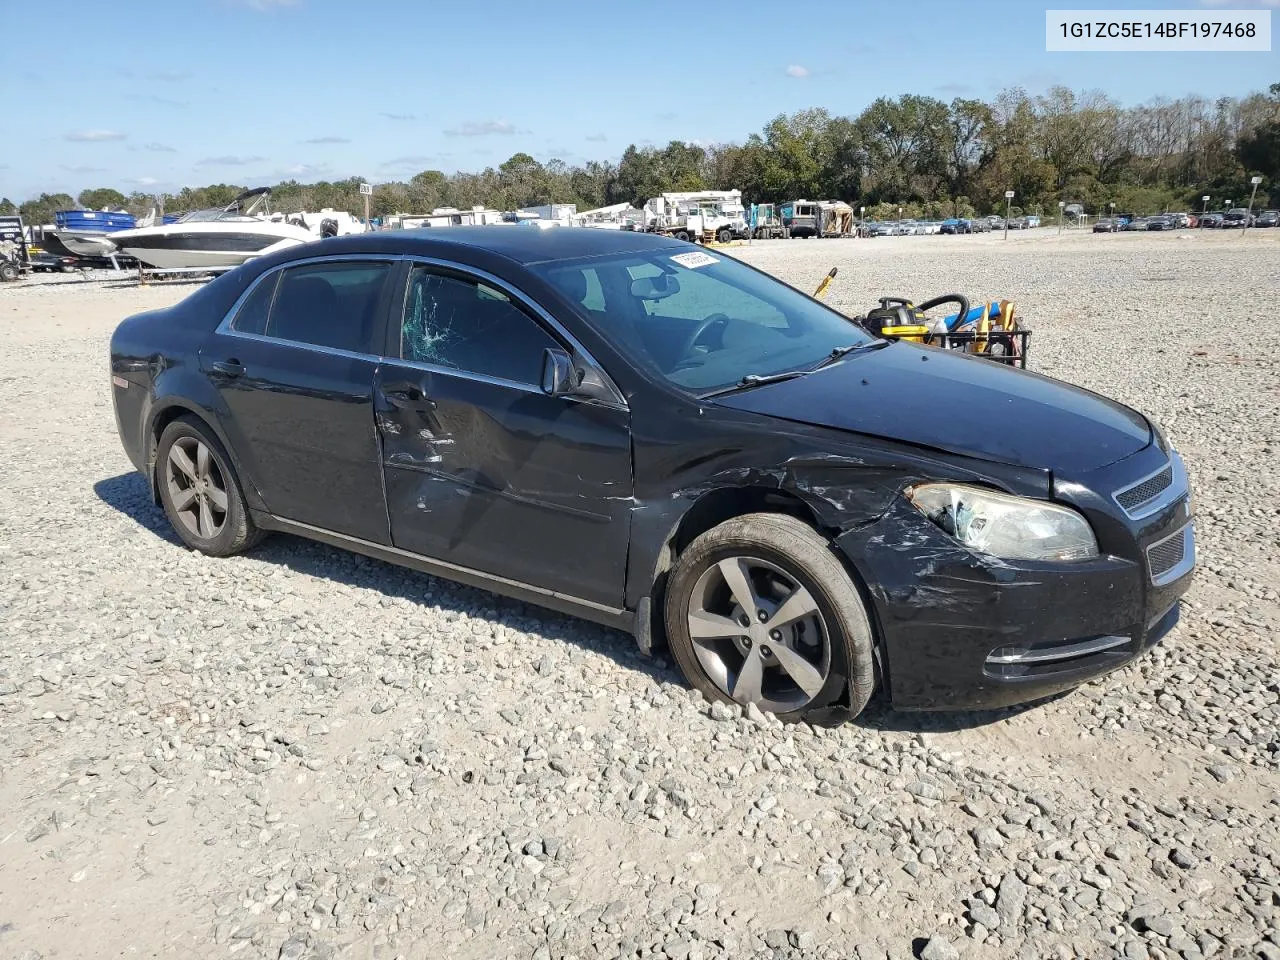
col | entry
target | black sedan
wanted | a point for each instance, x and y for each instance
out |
(665, 440)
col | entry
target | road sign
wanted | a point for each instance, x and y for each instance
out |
(1206, 198)
(1008, 194)
(366, 189)
(1256, 180)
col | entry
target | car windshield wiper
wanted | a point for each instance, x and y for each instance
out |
(754, 380)
(839, 353)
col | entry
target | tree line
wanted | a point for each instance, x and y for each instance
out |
(918, 153)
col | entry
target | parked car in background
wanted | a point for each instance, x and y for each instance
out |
(955, 225)
(1211, 221)
(1032, 221)
(461, 403)
(1134, 225)
(980, 225)
(1105, 225)
(44, 262)
(1158, 223)
(881, 228)
(1238, 217)
(1268, 218)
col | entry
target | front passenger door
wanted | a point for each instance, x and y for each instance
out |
(482, 468)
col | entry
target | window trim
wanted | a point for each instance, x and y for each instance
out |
(540, 313)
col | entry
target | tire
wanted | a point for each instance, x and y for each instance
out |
(724, 236)
(683, 235)
(9, 272)
(833, 638)
(213, 519)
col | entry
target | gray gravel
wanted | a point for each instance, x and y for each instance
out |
(301, 753)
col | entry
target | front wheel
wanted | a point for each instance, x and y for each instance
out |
(724, 236)
(761, 610)
(199, 490)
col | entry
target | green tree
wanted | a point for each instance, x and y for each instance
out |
(101, 197)
(40, 211)
(7, 207)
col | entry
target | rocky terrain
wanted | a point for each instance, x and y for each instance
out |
(300, 753)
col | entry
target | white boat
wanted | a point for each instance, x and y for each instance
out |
(213, 239)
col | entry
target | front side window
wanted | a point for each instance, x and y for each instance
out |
(332, 304)
(703, 321)
(457, 322)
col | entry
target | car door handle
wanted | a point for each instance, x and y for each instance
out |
(229, 368)
(404, 394)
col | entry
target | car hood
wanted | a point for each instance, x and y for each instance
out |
(977, 408)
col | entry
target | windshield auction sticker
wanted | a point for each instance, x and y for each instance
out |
(1237, 31)
(695, 260)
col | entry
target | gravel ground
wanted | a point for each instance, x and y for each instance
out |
(303, 753)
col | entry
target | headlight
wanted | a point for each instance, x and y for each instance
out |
(1014, 528)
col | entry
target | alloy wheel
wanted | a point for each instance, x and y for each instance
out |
(759, 635)
(197, 488)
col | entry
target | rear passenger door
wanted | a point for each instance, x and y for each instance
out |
(484, 469)
(294, 366)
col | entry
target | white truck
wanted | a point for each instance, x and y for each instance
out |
(699, 216)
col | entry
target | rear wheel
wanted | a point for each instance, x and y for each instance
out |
(760, 610)
(724, 236)
(9, 272)
(199, 490)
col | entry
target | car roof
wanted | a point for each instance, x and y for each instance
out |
(512, 241)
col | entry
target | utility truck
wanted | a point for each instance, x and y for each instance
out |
(700, 216)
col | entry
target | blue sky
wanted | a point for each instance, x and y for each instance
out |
(269, 89)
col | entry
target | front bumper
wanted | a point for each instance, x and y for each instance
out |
(960, 630)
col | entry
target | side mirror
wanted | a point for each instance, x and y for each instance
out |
(559, 377)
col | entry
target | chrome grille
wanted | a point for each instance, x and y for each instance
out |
(1134, 497)
(1173, 556)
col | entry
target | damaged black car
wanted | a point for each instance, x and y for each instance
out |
(662, 439)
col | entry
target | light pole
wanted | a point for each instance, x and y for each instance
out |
(1008, 207)
(1249, 216)
(1061, 204)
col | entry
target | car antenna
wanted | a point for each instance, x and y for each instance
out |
(826, 282)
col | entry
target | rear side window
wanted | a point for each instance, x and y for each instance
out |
(330, 304)
(252, 316)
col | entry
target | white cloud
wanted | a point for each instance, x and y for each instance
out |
(596, 138)
(302, 169)
(263, 6)
(416, 161)
(327, 140)
(398, 116)
(228, 161)
(481, 128)
(159, 148)
(94, 136)
(797, 71)
(146, 181)
(83, 169)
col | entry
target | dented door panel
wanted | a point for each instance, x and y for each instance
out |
(502, 478)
